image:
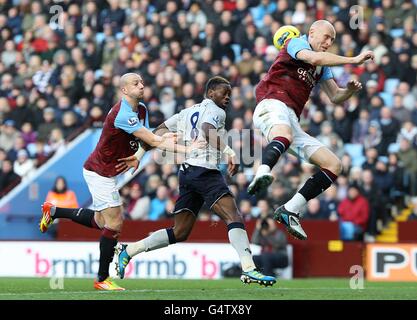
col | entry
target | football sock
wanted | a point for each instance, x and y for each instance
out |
(156, 240)
(239, 240)
(274, 150)
(315, 185)
(108, 241)
(80, 215)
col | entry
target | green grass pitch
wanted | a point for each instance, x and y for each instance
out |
(228, 289)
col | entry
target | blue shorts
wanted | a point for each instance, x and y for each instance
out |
(199, 185)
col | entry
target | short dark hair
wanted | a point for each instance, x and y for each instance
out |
(214, 82)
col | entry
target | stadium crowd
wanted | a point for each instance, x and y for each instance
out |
(59, 69)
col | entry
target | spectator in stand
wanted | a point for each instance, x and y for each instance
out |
(9, 135)
(138, 204)
(158, 204)
(408, 156)
(360, 127)
(61, 196)
(8, 178)
(389, 129)
(329, 203)
(353, 214)
(375, 199)
(245, 208)
(273, 242)
(23, 165)
(45, 129)
(315, 211)
(413, 214)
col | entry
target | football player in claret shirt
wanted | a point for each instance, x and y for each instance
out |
(125, 126)
(281, 96)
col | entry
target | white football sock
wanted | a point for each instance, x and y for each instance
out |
(239, 240)
(296, 203)
(156, 240)
(263, 168)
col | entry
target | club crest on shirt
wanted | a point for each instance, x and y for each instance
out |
(133, 121)
(216, 120)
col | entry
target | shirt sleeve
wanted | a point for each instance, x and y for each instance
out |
(295, 45)
(327, 74)
(147, 119)
(172, 123)
(127, 121)
(146, 115)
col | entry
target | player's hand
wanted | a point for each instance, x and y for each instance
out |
(354, 85)
(126, 163)
(232, 166)
(170, 136)
(364, 56)
(197, 144)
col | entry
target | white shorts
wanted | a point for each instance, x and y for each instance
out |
(270, 112)
(104, 190)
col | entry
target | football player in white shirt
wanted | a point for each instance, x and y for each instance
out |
(200, 181)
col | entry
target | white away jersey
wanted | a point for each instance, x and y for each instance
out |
(188, 124)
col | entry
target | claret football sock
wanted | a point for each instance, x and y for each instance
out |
(274, 150)
(317, 183)
(108, 241)
(314, 186)
(79, 215)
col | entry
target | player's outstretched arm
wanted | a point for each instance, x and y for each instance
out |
(133, 161)
(212, 137)
(330, 59)
(167, 141)
(338, 95)
(159, 131)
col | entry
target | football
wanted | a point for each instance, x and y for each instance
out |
(283, 34)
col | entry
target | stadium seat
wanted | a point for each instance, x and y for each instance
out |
(390, 85)
(396, 33)
(394, 148)
(17, 38)
(98, 73)
(237, 50)
(355, 151)
(387, 97)
(100, 36)
(119, 35)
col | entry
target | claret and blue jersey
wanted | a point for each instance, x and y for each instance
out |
(291, 80)
(297, 44)
(117, 139)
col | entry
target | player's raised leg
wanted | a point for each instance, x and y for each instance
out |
(226, 208)
(184, 222)
(272, 118)
(85, 217)
(330, 167)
